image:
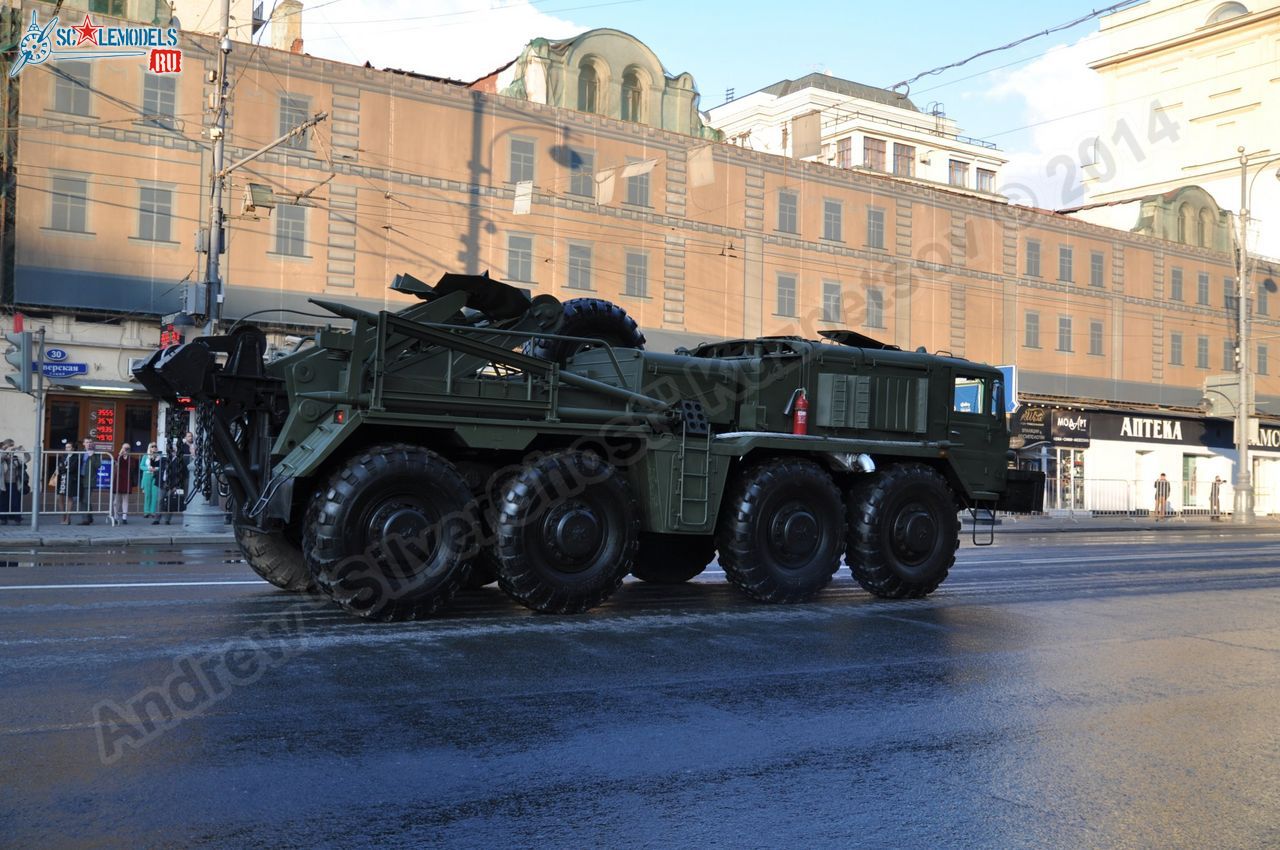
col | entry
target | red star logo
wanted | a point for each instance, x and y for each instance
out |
(87, 32)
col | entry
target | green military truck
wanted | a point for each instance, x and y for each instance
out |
(482, 435)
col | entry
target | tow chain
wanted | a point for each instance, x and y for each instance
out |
(202, 455)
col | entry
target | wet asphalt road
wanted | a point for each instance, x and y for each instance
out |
(1066, 692)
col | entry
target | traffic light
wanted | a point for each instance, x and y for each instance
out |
(20, 358)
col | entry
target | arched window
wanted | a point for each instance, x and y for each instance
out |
(632, 95)
(588, 88)
(1226, 12)
(1184, 223)
(1204, 229)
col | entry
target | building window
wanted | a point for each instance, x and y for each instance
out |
(579, 267)
(1203, 228)
(115, 8)
(293, 111)
(1262, 360)
(520, 258)
(521, 161)
(155, 213)
(788, 202)
(904, 160)
(1202, 288)
(986, 180)
(786, 295)
(1229, 293)
(875, 227)
(844, 152)
(71, 87)
(1095, 338)
(1065, 271)
(873, 153)
(1175, 285)
(1228, 355)
(1202, 352)
(638, 190)
(1264, 288)
(70, 201)
(1175, 349)
(832, 309)
(632, 96)
(831, 220)
(1031, 337)
(958, 173)
(159, 98)
(1033, 258)
(875, 307)
(291, 230)
(582, 174)
(1096, 261)
(588, 88)
(637, 276)
(1064, 333)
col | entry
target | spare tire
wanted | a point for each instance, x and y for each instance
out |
(594, 318)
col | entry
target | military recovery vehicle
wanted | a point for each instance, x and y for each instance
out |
(480, 434)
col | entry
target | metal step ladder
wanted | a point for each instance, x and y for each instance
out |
(693, 481)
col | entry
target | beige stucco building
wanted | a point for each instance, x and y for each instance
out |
(698, 239)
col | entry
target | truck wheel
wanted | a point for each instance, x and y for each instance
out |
(781, 531)
(903, 531)
(672, 558)
(392, 535)
(589, 317)
(567, 533)
(275, 557)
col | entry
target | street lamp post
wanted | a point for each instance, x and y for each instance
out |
(1243, 508)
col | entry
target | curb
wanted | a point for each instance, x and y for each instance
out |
(1084, 527)
(185, 540)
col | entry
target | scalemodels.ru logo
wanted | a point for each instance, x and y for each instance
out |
(41, 44)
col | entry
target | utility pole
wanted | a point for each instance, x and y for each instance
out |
(1242, 507)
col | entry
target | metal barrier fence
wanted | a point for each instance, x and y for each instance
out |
(1138, 498)
(80, 489)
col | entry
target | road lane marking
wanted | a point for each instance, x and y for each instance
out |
(125, 584)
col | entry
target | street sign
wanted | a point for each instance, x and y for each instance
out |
(1010, 387)
(55, 355)
(62, 370)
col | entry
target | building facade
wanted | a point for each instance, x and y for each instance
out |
(697, 239)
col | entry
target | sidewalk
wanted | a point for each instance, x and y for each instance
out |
(1085, 521)
(139, 532)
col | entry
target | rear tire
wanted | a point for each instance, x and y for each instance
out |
(276, 558)
(903, 531)
(392, 535)
(782, 530)
(672, 558)
(567, 532)
(588, 317)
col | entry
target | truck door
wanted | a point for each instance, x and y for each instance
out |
(975, 431)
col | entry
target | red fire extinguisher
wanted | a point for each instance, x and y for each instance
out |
(799, 409)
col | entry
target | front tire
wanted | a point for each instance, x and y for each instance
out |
(276, 558)
(567, 531)
(392, 535)
(672, 558)
(903, 531)
(782, 531)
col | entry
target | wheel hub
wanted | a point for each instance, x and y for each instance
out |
(794, 532)
(404, 521)
(915, 531)
(575, 532)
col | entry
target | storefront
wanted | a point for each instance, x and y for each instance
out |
(127, 416)
(1107, 461)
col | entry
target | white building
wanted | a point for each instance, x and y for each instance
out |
(1187, 82)
(822, 118)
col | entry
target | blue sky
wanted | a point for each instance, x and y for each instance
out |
(749, 45)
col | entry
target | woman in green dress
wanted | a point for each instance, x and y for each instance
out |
(151, 481)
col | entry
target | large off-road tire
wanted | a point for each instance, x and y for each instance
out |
(781, 530)
(393, 533)
(672, 558)
(567, 532)
(903, 531)
(276, 558)
(588, 317)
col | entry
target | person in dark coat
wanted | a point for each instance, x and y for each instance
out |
(13, 472)
(122, 485)
(82, 469)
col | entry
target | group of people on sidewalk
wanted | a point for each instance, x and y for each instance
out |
(1164, 487)
(14, 481)
(161, 477)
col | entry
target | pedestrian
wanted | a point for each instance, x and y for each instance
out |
(150, 482)
(82, 468)
(59, 482)
(1215, 499)
(12, 474)
(1162, 497)
(173, 484)
(122, 485)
